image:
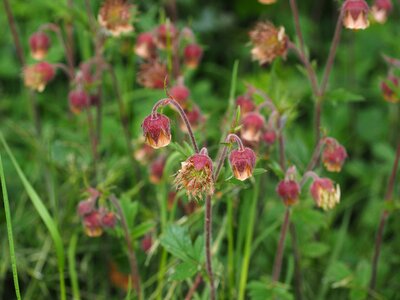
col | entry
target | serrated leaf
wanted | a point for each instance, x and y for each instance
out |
(260, 291)
(184, 270)
(176, 240)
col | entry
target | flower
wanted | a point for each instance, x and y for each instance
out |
(92, 224)
(157, 130)
(389, 94)
(355, 14)
(39, 43)
(145, 46)
(192, 55)
(268, 42)
(115, 17)
(334, 155)
(180, 93)
(196, 175)
(86, 206)
(152, 75)
(108, 219)
(381, 9)
(146, 243)
(252, 124)
(269, 136)
(324, 193)
(38, 75)
(267, 1)
(246, 104)
(165, 34)
(289, 191)
(242, 163)
(157, 170)
(78, 100)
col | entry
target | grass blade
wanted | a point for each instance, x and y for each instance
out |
(72, 267)
(44, 215)
(9, 231)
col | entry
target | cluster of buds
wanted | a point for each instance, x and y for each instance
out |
(115, 17)
(39, 44)
(38, 75)
(95, 219)
(381, 9)
(268, 42)
(391, 89)
(151, 45)
(334, 155)
(355, 14)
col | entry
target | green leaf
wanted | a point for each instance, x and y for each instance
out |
(269, 290)
(130, 210)
(342, 95)
(315, 249)
(339, 275)
(259, 171)
(142, 229)
(176, 240)
(184, 270)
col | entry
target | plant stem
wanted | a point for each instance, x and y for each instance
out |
(382, 223)
(92, 137)
(281, 244)
(208, 233)
(194, 287)
(131, 252)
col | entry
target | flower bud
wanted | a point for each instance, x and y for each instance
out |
(146, 243)
(389, 94)
(324, 193)
(252, 125)
(145, 45)
(92, 224)
(268, 42)
(115, 17)
(156, 130)
(109, 219)
(242, 163)
(157, 170)
(39, 43)
(78, 100)
(289, 191)
(269, 136)
(381, 9)
(355, 14)
(246, 104)
(152, 75)
(196, 176)
(192, 55)
(334, 155)
(180, 93)
(165, 34)
(38, 75)
(86, 206)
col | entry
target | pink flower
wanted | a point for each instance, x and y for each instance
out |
(334, 155)
(324, 193)
(252, 125)
(78, 100)
(246, 104)
(192, 55)
(38, 75)
(156, 130)
(145, 45)
(39, 43)
(242, 163)
(355, 14)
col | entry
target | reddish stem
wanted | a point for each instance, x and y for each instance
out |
(194, 287)
(279, 253)
(208, 233)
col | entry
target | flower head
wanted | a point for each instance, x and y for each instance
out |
(156, 130)
(192, 55)
(145, 46)
(252, 125)
(196, 176)
(389, 94)
(152, 75)
(115, 16)
(242, 163)
(246, 104)
(39, 44)
(355, 14)
(334, 155)
(269, 136)
(268, 42)
(381, 9)
(165, 34)
(324, 193)
(108, 219)
(78, 100)
(92, 224)
(38, 75)
(289, 189)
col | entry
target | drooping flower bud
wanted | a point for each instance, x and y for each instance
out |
(381, 9)
(334, 155)
(324, 193)
(115, 17)
(252, 125)
(145, 46)
(78, 100)
(196, 176)
(268, 42)
(108, 219)
(38, 75)
(246, 104)
(39, 43)
(355, 14)
(288, 188)
(192, 55)
(92, 224)
(165, 34)
(86, 206)
(152, 75)
(156, 130)
(180, 93)
(157, 169)
(389, 94)
(269, 136)
(242, 163)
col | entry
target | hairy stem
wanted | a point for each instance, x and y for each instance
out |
(131, 252)
(208, 233)
(281, 244)
(194, 287)
(93, 139)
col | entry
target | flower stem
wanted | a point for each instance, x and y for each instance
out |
(237, 139)
(281, 244)
(382, 223)
(208, 233)
(131, 252)
(194, 287)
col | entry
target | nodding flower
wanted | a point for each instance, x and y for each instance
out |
(252, 125)
(334, 155)
(115, 17)
(152, 75)
(288, 188)
(78, 100)
(39, 44)
(145, 46)
(37, 76)
(245, 103)
(165, 34)
(355, 14)
(157, 130)
(242, 163)
(324, 193)
(192, 55)
(381, 9)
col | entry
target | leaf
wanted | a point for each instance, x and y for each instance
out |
(315, 249)
(130, 210)
(142, 229)
(259, 171)
(339, 274)
(184, 271)
(259, 290)
(176, 240)
(342, 95)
